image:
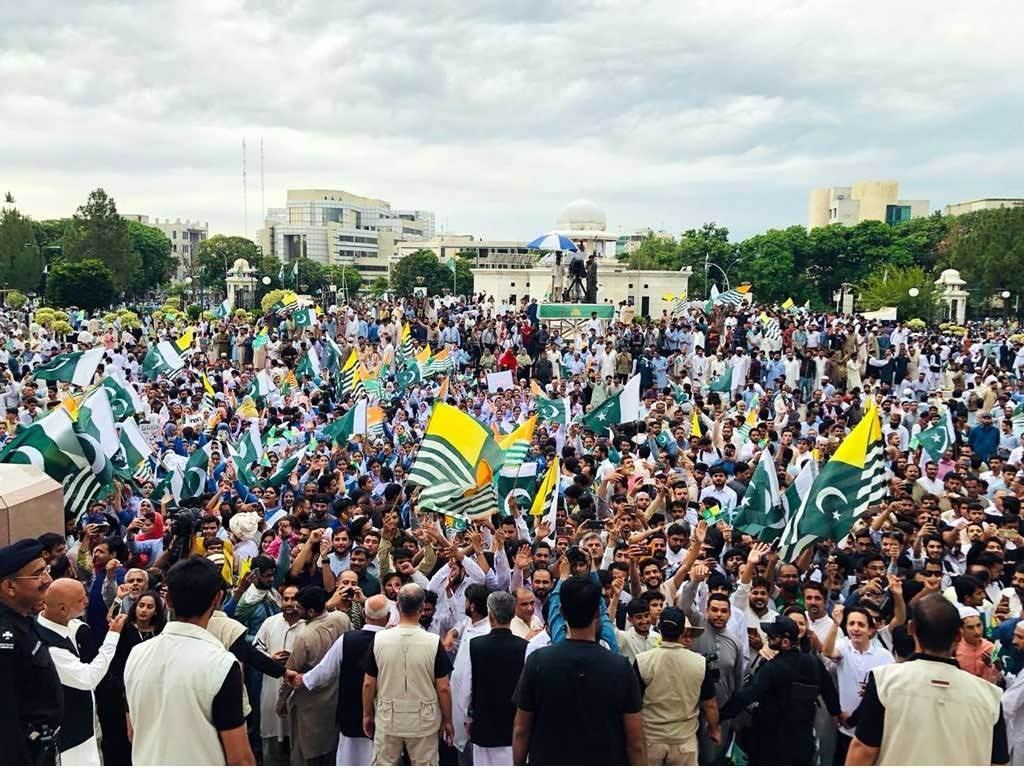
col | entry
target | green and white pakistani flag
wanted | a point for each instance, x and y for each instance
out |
(223, 309)
(124, 400)
(80, 490)
(191, 481)
(295, 270)
(519, 481)
(304, 318)
(78, 368)
(934, 440)
(135, 448)
(725, 383)
(553, 410)
(309, 365)
(285, 468)
(760, 513)
(262, 385)
(49, 444)
(844, 489)
(450, 263)
(617, 409)
(249, 448)
(679, 394)
(352, 423)
(97, 435)
(163, 358)
(410, 374)
(1017, 419)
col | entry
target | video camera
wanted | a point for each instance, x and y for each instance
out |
(577, 267)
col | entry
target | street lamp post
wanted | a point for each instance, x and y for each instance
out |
(1005, 295)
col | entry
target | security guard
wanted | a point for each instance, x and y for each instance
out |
(32, 698)
(785, 690)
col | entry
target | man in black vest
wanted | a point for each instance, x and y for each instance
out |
(496, 661)
(32, 697)
(344, 661)
(65, 601)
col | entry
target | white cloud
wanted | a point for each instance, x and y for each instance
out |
(495, 114)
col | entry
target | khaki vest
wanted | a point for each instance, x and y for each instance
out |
(673, 676)
(406, 702)
(170, 682)
(929, 723)
(227, 630)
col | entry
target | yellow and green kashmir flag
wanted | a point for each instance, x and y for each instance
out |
(788, 304)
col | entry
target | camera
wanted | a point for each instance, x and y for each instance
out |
(712, 662)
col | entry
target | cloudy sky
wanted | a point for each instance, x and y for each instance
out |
(496, 114)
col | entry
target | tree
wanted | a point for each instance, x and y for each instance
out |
(653, 253)
(436, 277)
(20, 261)
(16, 299)
(98, 231)
(352, 280)
(707, 245)
(379, 285)
(49, 236)
(987, 247)
(776, 262)
(156, 264)
(87, 283)
(216, 255)
(890, 286)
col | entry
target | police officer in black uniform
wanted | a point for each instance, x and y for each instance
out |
(785, 691)
(31, 697)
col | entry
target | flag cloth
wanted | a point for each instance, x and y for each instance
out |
(309, 365)
(456, 455)
(249, 448)
(262, 385)
(223, 309)
(96, 433)
(713, 514)
(553, 411)
(124, 400)
(135, 448)
(521, 481)
(424, 355)
(750, 420)
(450, 263)
(261, 338)
(731, 298)
(280, 274)
(285, 468)
(760, 513)
(285, 304)
(406, 345)
(841, 492)
(439, 363)
(617, 409)
(80, 490)
(375, 418)
(1017, 420)
(442, 391)
(517, 444)
(184, 343)
(352, 423)
(724, 382)
(770, 327)
(788, 304)
(679, 394)
(50, 444)
(191, 481)
(934, 441)
(347, 376)
(78, 368)
(410, 375)
(545, 501)
(695, 429)
(295, 270)
(799, 489)
(303, 318)
(247, 409)
(209, 394)
(535, 389)
(163, 358)
(480, 502)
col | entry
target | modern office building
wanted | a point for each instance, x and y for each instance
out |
(984, 204)
(864, 201)
(334, 227)
(185, 236)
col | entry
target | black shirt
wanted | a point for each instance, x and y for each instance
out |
(578, 693)
(871, 717)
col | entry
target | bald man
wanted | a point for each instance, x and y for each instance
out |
(65, 601)
(344, 663)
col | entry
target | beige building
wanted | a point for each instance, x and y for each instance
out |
(484, 254)
(984, 204)
(185, 236)
(335, 227)
(864, 201)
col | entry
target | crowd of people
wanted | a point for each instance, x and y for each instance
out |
(320, 615)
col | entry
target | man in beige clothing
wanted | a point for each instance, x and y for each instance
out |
(311, 714)
(407, 698)
(676, 681)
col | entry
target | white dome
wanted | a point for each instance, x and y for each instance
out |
(581, 214)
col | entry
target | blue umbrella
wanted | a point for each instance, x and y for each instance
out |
(552, 242)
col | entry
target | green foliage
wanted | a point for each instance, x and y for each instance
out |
(97, 232)
(16, 299)
(987, 247)
(379, 285)
(86, 283)
(156, 263)
(128, 319)
(49, 236)
(271, 299)
(62, 328)
(708, 244)
(21, 263)
(216, 255)
(889, 286)
(43, 316)
(271, 267)
(437, 278)
(353, 281)
(775, 261)
(653, 253)
(192, 311)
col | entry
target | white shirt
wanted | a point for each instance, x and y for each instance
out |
(852, 670)
(274, 634)
(462, 679)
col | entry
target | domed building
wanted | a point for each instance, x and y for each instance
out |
(587, 225)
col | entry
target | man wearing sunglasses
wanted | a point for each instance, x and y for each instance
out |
(30, 712)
